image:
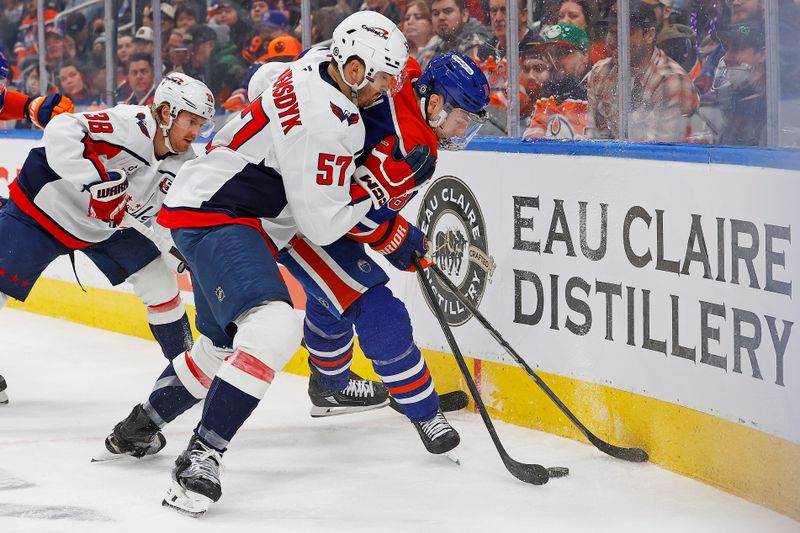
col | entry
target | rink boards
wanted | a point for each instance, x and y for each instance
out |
(651, 287)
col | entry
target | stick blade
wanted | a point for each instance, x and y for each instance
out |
(633, 455)
(527, 473)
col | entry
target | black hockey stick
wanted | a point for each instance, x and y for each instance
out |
(635, 455)
(529, 473)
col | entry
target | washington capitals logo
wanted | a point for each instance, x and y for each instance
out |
(380, 32)
(341, 114)
(140, 122)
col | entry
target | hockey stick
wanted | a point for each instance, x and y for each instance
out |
(635, 455)
(164, 245)
(529, 473)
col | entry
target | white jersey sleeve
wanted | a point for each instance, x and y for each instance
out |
(76, 142)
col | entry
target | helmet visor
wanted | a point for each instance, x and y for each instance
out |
(459, 127)
(387, 84)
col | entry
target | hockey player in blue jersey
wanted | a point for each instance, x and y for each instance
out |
(38, 110)
(347, 289)
(453, 94)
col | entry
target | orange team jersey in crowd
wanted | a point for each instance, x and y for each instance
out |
(557, 121)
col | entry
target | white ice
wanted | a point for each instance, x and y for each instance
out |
(284, 471)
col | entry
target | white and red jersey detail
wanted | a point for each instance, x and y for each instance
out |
(78, 150)
(283, 165)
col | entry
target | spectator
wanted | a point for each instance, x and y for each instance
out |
(229, 14)
(273, 23)
(583, 14)
(561, 111)
(496, 46)
(534, 69)
(185, 17)
(216, 64)
(457, 31)
(55, 51)
(98, 52)
(325, 19)
(143, 41)
(418, 29)
(167, 19)
(73, 84)
(741, 84)
(677, 41)
(28, 30)
(125, 48)
(78, 30)
(387, 8)
(662, 95)
(746, 10)
(258, 8)
(663, 10)
(176, 49)
(141, 78)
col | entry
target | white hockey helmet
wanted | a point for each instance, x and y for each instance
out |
(184, 93)
(375, 40)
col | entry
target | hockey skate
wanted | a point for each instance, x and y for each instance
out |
(136, 436)
(359, 395)
(195, 479)
(3, 395)
(438, 436)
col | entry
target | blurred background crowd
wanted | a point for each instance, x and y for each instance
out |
(698, 69)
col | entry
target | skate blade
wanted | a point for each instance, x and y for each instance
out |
(453, 456)
(186, 502)
(105, 456)
(320, 412)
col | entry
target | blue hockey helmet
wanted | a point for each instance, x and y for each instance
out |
(465, 90)
(5, 71)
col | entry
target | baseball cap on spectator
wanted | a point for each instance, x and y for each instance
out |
(274, 18)
(675, 31)
(199, 34)
(643, 15)
(53, 30)
(667, 3)
(168, 10)
(283, 49)
(565, 35)
(75, 23)
(144, 34)
(747, 33)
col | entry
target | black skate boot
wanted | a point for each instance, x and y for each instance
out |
(195, 479)
(136, 436)
(437, 434)
(359, 395)
(3, 395)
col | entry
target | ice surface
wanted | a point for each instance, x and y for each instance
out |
(285, 471)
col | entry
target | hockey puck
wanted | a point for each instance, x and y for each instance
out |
(557, 471)
(453, 401)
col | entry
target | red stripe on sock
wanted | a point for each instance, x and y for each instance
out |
(413, 385)
(204, 380)
(166, 306)
(328, 363)
(251, 365)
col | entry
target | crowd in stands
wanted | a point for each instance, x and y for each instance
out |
(698, 67)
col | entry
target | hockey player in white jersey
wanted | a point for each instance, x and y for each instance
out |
(73, 192)
(284, 165)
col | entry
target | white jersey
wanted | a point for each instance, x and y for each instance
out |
(78, 150)
(283, 165)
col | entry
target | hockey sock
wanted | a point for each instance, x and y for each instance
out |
(170, 327)
(236, 391)
(384, 333)
(330, 346)
(169, 398)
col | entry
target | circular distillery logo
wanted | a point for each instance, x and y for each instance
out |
(451, 218)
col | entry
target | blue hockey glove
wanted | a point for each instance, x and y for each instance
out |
(401, 242)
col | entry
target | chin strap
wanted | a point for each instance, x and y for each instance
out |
(354, 88)
(433, 122)
(165, 132)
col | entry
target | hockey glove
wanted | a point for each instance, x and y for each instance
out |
(43, 108)
(387, 174)
(109, 198)
(401, 242)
